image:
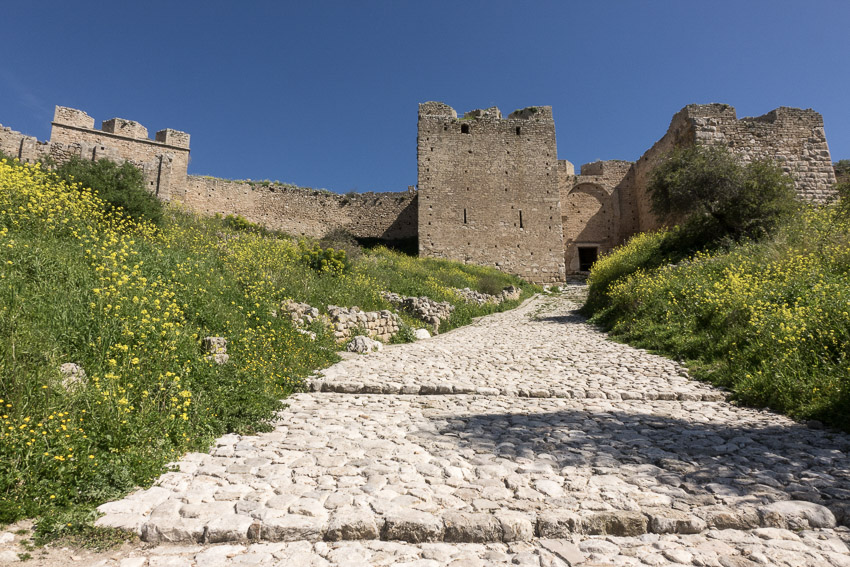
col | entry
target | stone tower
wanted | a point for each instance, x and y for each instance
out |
(488, 189)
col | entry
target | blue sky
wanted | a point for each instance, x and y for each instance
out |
(325, 94)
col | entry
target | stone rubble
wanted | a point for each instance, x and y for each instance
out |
(73, 375)
(541, 443)
(423, 308)
(510, 293)
(364, 345)
(301, 314)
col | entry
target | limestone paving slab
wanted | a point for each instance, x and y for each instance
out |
(492, 477)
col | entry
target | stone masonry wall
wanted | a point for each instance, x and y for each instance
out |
(590, 208)
(26, 148)
(299, 211)
(163, 161)
(792, 137)
(488, 190)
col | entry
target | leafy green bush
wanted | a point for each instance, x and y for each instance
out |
(714, 196)
(406, 334)
(120, 185)
(842, 170)
(241, 224)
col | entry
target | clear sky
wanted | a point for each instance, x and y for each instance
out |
(325, 93)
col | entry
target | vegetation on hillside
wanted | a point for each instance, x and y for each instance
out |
(767, 316)
(89, 279)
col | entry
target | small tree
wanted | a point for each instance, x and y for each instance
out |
(714, 196)
(120, 185)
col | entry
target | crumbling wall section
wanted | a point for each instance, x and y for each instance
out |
(488, 189)
(792, 137)
(17, 145)
(306, 212)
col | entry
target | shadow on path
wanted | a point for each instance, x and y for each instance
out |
(701, 450)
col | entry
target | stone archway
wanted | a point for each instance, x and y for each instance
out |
(590, 219)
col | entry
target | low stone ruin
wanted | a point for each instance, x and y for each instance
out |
(301, 314)
(216, 348)
(344, 321)
(378, 324)
(471, 296)
(423, 308)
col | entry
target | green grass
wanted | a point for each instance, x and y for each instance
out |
(130, 302)
(770, 320)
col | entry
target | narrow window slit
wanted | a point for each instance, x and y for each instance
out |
(464, 216)
(520, 219)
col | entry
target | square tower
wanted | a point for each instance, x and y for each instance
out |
(488, 190)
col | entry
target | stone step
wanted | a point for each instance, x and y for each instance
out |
(448, 388)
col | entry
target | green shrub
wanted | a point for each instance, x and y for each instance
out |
(341, 239)
(120, 185)
(406, 334)
(241, 224)
(714, 196)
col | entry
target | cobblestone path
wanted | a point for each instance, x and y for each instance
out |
(527, 438)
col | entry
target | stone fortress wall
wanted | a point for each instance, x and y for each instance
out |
(488, 189)
(491, 189)
(305, 212)
(163, 160)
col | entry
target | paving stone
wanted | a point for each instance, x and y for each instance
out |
(412, 526)
(350, 524)
(227, 528)
(464, 527)
(796, 515)
(619, 523)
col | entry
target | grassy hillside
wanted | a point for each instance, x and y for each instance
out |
(129, 301)
(769, 320)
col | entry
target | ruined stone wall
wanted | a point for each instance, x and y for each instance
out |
(792, 137)
(26, 148)
(163, 161)
(306, 212)
(488, 190)
(590, 209)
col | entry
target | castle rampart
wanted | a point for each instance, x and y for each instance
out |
(488, 189)
(164, 161)
(306, 212)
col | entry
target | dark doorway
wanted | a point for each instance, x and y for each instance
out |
(586, 257)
